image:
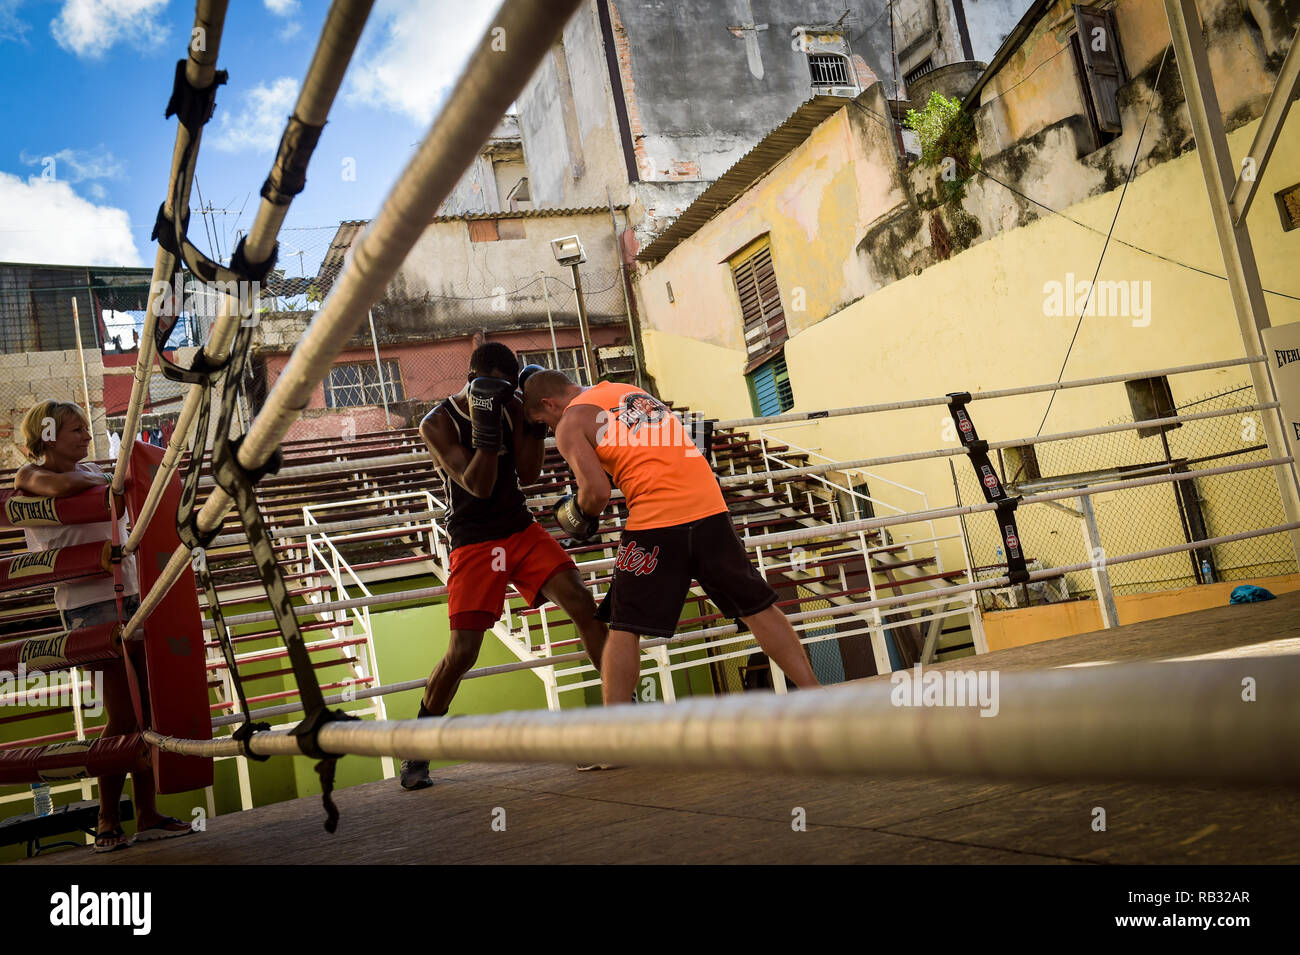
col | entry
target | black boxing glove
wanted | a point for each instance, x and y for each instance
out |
(527, 372)
(573, 520)
(487, 401)
(534, 429)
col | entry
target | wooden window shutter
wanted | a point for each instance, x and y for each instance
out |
(760, 303)
(1099, 45)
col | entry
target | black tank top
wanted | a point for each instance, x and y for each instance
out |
(472, 520)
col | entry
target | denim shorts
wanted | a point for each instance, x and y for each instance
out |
(91, 615)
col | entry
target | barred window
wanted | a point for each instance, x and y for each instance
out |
(829, 69)
(358, 384)
(571, 362)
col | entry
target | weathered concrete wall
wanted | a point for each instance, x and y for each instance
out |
(26, 378)
(567, 121)
(479, 188)
(449, 285)
(923, 28)
(702, 101)
(980, 319)
(812, 208)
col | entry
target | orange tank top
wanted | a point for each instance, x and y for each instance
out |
(653, 461)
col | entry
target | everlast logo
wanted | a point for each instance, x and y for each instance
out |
(964, 423)
(44, 653)
(30, 511)
(25, 565)
(1285, 356)
(65, 772)
(1295, 425)
(634, 559)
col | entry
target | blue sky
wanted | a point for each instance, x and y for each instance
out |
(85, 150)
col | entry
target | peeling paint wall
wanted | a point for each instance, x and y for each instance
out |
(888, 315)
(568, 125)
(450, 285)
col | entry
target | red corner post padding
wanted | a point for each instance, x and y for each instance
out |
(42, 568)
(75, 759)
(22, 510)
(173, 633)
(58, 651)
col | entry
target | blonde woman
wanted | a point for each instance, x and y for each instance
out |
(56, 436)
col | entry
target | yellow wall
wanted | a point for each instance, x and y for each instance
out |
(975, 322)
(1015, 628)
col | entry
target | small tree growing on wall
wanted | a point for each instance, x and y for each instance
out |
(947, 135)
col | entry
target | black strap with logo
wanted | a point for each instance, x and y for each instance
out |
(994, 493)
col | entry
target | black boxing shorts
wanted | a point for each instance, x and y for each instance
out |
(654, 569)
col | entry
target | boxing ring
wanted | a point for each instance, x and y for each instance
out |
(1136, 720)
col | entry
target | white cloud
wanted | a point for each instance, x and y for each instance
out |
(282, 8)
(75, 165)
(90, 27)
(45, 221)
(11, 27)
(412, 53)
(290, 30)
(259, 122)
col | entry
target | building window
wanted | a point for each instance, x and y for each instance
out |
(571, 362)
(358, 384)
(1100, 68)
(769, 388)
(760, 301)
(1020, 464)
(1288, 204)
(918, 71)
(829, 69)
(863, 508)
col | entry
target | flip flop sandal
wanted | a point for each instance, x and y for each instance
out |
(110, 840)
(169, 827)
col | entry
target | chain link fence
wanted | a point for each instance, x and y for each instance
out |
(412, 353)
(1144, 518)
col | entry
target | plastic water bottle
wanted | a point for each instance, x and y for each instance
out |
(41, 799)
(999, 553)
(1207, 575)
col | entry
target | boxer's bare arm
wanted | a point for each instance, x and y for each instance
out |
(44, 483)
(476, 472)
(529, 452)
(575, 436)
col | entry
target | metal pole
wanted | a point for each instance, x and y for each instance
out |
(494, 76)
(85, 382)
(339, 36)
(1100, 575)
(379, 367)
(587, 356)
(622, 284)
(200, 71)
(550, 321)
(1234, 239)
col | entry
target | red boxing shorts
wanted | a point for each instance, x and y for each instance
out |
(481, 572)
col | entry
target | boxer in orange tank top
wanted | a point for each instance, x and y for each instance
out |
(677, 528)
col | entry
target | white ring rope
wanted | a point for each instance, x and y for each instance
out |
(1167, 720)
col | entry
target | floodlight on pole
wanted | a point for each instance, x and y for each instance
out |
(568, 251)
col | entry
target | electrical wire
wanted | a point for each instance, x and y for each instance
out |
(1137, 151)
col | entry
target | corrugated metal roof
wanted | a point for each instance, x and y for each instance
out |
(746, 171)
(530, 214)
